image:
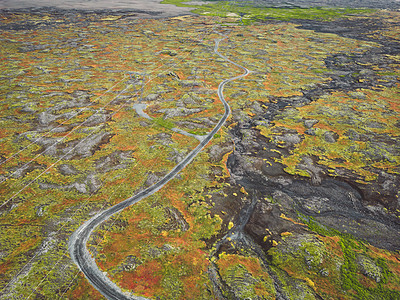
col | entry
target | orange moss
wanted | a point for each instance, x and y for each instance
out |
(196, 260)
(124, 143)
(332, 244)
(250, 263)
(367, 282)
(26, 245)
(146, 280)
(121, 244)
(392, 259)
(181, 139)
(193, 287)
(4, 267)
(224, 163)
(328, 286)
(291, 220)
(84, 290)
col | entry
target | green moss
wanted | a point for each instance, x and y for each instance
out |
(171, 283)
(350, 269)
(292, 287)
(164, 123)
(136, 230)
(253, 13)
(388, 74)
(336, 115)
(243, 284)
(350, 276)
(156, 220)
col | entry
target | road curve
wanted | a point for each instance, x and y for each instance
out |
(77, 242)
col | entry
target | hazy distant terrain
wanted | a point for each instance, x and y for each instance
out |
(155, 5)
(137, 5)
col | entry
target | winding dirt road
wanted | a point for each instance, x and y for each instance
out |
(77, 242)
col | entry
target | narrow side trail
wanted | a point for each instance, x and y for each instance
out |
(77, 243)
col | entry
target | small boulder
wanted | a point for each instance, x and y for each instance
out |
(27, 109)
(310, 131)
(369, 268)
(151, 97)
(310, 123)
(366, 72)
(65, 169)
(358, 95)
(46, 118)
(330, 136)
(289, 139)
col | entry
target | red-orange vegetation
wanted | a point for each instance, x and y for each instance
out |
(150, 163)
(251, 264)
(181, 242)
(4, 267)
(367, 282)
(136, 217)
(175, 197)
(26, 245)
(332, 244)
(390, 256)
(97, 198)
(193, 286)
(29, 191)
(116, 250)
(394, 267)
(260, 289)
(298, 127)
(116, 182)
(84, 290)
(392, 260)
(146, 280)
(207, 113)
(5, 132)
(323, 125)
(65, 202)
(267, 82)
(196, 260)
(394, 105)
(328, 286)
(124, 142)
(180, 74)
(224, 162)
(291, 220)
(181, 139)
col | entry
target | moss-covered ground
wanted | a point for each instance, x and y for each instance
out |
(246, 13)
(71, 144)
